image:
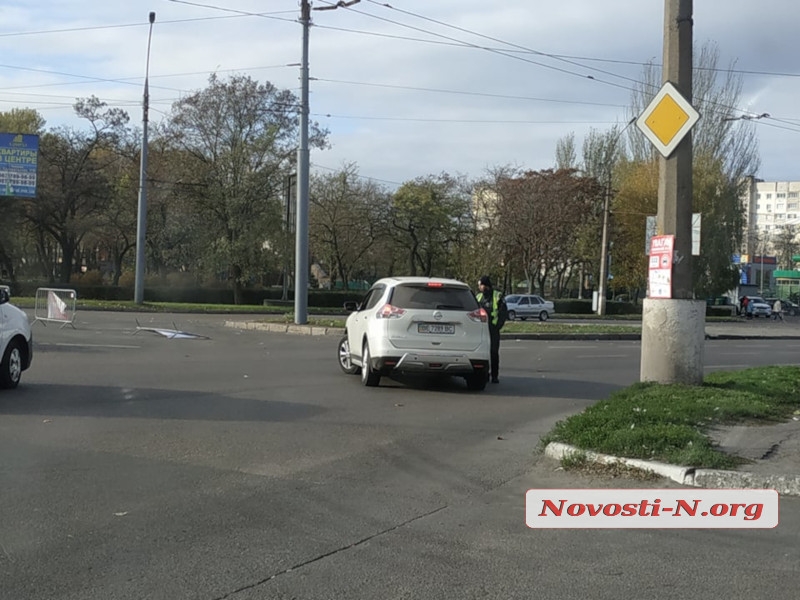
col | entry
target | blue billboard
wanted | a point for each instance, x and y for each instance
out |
(19, 155)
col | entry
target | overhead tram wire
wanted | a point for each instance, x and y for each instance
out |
(242, 14)
(508, 55)
(494, 39)
(566, 57)
(498, 52)
(449, 41)
(367, 177)
(473, 121)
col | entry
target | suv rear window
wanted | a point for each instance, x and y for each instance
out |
(428, 297)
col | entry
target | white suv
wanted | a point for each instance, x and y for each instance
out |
(16, 342)
(416, 325)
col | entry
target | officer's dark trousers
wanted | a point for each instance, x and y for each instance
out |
(494, 336)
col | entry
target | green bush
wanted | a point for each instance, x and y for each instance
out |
(573, 306)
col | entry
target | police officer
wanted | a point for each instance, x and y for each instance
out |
(494, 304)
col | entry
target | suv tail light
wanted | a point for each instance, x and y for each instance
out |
(390, 312)
(479, 316)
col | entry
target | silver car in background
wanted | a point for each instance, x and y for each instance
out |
(759, 307)
(528, 306)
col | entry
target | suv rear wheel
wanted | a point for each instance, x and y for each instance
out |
(476, 382)
(369, 377)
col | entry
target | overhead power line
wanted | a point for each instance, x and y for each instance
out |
(517, 46)
(461, 92)
(127, 25)
(474, 121)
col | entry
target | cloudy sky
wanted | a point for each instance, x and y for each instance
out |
(410, 87)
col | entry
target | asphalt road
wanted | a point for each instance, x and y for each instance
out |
(247, 466)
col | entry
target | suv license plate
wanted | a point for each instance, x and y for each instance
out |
(435, 328)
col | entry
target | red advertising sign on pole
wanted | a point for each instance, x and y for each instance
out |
(660, 272)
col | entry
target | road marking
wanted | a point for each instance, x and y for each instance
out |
(118, 346)
(602, 356)
(573, 347)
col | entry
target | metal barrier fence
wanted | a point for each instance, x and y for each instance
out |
(55, 305)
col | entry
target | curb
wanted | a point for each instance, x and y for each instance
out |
(570, 336)
(285, 328)
(682, 475)
(735, 336)
(785, 485)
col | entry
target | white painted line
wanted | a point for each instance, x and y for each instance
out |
(573, 347)
(603, 356)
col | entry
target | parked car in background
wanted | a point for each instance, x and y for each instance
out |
(416, 325)
(16, 342)
(758, 306)
(789, 307)
(528, 306)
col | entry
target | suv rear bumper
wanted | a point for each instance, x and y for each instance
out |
(419, 362)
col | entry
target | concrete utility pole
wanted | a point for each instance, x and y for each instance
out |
(301, 242)
(141, 219)
(673, 330)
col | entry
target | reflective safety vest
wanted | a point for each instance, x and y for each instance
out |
(495, 305)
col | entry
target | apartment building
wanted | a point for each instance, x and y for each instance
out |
(769, 207)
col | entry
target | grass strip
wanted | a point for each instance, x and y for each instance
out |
(671, 423)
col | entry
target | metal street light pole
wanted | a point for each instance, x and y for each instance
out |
(301, 240)
(602, 284)
(141, 219)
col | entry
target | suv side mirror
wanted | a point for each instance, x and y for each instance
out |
(4, 296)
(350, 306)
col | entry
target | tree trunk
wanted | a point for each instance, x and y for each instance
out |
(67, 256)
(237, 284)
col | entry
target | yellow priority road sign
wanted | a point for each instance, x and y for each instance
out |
(667, 119)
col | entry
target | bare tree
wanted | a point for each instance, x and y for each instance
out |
(347, 217)
(566, 157)
(787, 246)
(540, 213)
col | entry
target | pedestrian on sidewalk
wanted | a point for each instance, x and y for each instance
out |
(777, 311)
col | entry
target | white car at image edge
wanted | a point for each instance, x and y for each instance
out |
(16, 342)
(416, 325)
